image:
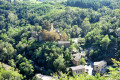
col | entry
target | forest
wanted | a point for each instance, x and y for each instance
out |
(95, 22)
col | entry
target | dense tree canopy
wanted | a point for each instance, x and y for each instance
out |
(7, 51)
(95, 22)
(9, 74)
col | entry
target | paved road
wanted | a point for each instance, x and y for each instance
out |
(89, 66)
(89, 61)
(89, 69)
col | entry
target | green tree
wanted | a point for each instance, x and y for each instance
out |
(91, 53)
(12, 18)
(81, 41)
(86, 26)
(68, 57)
(82, 61)
(26, 68)
(59, 63)
(9, 74)
(64, 76)
(46, 25)
(115, 72)
(1, 18)
(12, 63)
(7, 51)
(24, 65)
(105, 42)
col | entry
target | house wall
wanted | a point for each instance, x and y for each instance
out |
(66, 45)
(60, 45)
(99, 68)
(34, 35)
(40, 38)
(79, 71)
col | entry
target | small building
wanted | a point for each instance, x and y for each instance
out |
(44, 77)
(76, 59)
(35, 35)
(78, 69)
(100, 66)
(66, 44)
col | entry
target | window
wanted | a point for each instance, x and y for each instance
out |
(98, 70)
(105, 64)
(102, 66)
(76, 71)
(96, 67)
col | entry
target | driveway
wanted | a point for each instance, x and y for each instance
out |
(89, 66)
(89, 69)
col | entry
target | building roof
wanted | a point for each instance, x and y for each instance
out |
(100, 62)
(77, 57)
(63, 42)
(77, 67)
(44, 77)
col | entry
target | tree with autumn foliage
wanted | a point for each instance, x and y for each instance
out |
(50, 35)
(64, 36)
